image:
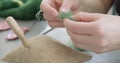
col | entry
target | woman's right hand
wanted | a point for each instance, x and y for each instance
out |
(51, 9)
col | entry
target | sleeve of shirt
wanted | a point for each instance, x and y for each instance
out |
(117, 4)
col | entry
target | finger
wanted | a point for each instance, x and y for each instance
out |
(51, 18)
(47, 8)
(87, 28)
(66, 6)
(55, 24)
(87, 17)
(59, 1)
(85, 39)
(91, 48)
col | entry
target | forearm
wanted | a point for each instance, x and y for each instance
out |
(96, 6)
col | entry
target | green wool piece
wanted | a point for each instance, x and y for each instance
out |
(67, 15)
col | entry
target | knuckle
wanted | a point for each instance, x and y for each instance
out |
(99, 51)
(44, 16)
(103, 44)
(42, 5)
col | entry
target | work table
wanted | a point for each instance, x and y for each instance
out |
(59, 34)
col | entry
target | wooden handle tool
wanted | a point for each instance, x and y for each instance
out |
(16, 28)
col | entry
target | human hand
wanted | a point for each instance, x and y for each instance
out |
(96, 32)
(51, 9)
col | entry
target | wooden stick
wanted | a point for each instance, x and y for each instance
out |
(16, 28)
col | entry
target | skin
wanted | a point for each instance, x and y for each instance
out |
(95, 32)
(51, 8)
(90, 31)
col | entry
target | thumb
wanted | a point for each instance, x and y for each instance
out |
(66, 6)
(87, 17)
